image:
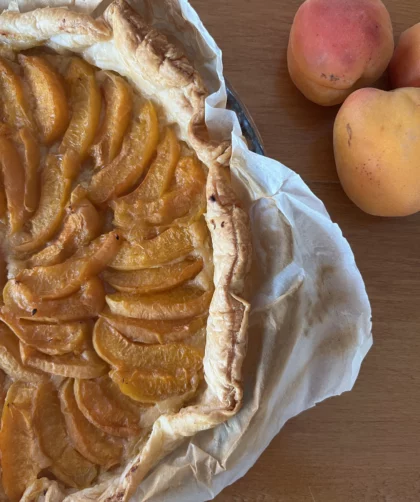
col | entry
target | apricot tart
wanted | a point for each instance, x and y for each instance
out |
(123, 260)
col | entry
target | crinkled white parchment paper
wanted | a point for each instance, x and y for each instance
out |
(310, 324)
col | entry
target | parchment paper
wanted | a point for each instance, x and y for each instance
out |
(310, 324)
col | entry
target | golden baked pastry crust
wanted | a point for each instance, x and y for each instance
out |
(123, 42)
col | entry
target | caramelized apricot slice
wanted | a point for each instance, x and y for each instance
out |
(3, 273)
(80, 226)
(121, 353)
(161, 172)
(28, 149)
(119, 103)
(179, 303)
(14, 183)
(49, 96)
(174, 243)
(10, 359)
(102, 403)
(85, 97)
(185, 200)
(4, 381)
(31, 158)
(3, 200)
(94, 444)
(183, 205)
(21, 458)
(63, 279)
(152, 388)
(68, 465)
(145, 331)
(84, 365)
(55, 192)
(126, 169)
(52, 339)
(85, 304)
(14, 107)
(154, 184)
(152, 280)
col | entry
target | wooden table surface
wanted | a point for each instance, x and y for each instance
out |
(363, 446)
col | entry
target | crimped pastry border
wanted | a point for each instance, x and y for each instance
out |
(168, 70)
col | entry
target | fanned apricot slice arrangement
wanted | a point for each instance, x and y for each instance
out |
(105, 276)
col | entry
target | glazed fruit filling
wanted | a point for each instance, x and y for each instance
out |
(105, 270)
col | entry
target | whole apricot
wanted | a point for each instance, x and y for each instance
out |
(377, 150)
(338, 46)
(404, 69)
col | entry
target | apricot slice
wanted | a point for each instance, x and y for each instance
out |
(10, 359)
(137, 150)
(152, 388)
(55, 191)
(103, 404)
(186, 200)
(121, 353)
(80, 226)
(3, 273)
(145, 331)
(94, 444)
(119, 103)
(27, 147)
(4, 380)
(161, 172)
(3, 201)
(21, 459)
(31, 158)
(154, 184)
(63, 279)
(188, 172)
(176, 242)
(179, 303)
(68, 465)
(49, 97)
(14, 183)
(85, 97)
(85, 304)
(84, 365)
(52, 339)
(14, 107)
(150, 280)
(177, 206)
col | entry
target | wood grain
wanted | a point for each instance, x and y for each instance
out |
(363, 446)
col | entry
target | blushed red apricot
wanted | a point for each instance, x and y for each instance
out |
(338, 46)
(404, 69)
